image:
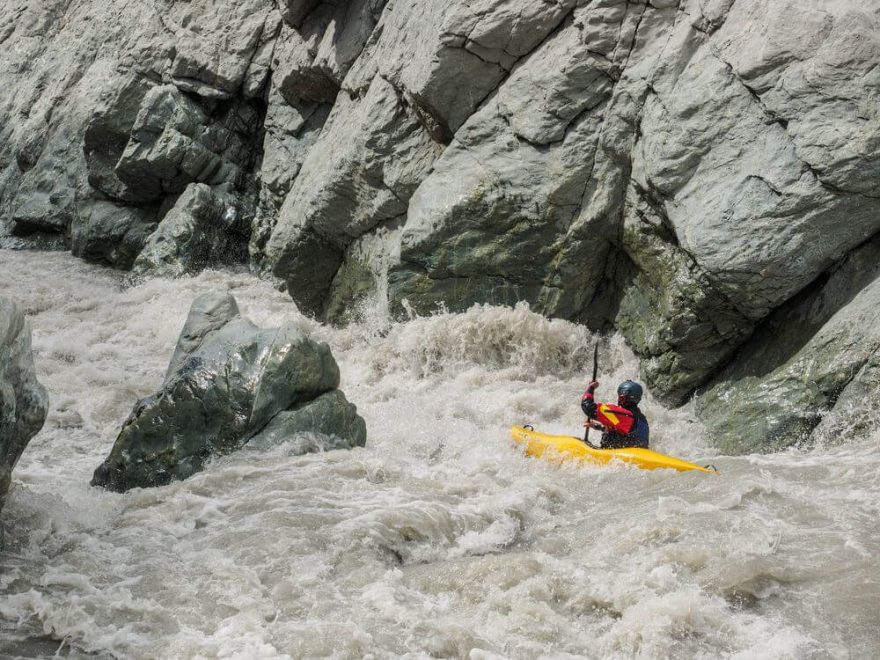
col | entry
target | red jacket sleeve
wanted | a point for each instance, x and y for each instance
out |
(588, 404)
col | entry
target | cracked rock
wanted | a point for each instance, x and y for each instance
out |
(205, 227)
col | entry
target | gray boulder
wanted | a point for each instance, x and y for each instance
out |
(228, 380)
(449, 55)
(722, 163)
(111, 233)
(499, 218)
(683, 207)
(51, 87)
(45, 197)
(74, 94)
(175, 141)
(313, 59)
(144, 146)
(23, 400)
(295, 11)
(216, 44)
(290, 132)
(107, 133)
(673, 314)
(403, 98)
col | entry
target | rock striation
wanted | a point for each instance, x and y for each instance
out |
(23, 400)
(683, 171)
(228, 383)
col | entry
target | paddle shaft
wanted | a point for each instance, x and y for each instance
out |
(595, 372)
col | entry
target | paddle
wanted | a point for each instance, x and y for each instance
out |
(595, 371)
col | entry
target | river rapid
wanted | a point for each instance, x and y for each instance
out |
(439, 538)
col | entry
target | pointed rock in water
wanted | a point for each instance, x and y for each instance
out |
(209, 312)
(23, 400)
(228, 380)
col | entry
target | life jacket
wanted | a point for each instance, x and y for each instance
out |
(623, 427)
(615, 418)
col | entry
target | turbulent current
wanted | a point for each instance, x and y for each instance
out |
(439, 538)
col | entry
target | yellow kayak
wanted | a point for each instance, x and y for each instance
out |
(565, 448)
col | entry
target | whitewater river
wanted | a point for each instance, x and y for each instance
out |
(439, 538)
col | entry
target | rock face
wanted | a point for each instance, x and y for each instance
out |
(227, 382)
(682, 171)
(821, 349)
(23, 401)
(203, 228)
(113, 110)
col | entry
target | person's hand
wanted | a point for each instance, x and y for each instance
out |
(593, 383)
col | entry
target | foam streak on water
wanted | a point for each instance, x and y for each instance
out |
(438, 538)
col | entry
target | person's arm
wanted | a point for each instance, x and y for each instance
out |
(588, 402)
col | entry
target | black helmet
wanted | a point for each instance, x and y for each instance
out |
(630, 392)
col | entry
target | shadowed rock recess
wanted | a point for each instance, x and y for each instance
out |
(23, 401)
(695, 174)
(230, 383)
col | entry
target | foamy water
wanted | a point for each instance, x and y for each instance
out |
(438, 538)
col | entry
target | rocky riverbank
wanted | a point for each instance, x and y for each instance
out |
(698, 175)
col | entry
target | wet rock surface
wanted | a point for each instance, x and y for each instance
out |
(819, 352)
(23, 400)
(205, 227)
(679, 171)
(227, 382)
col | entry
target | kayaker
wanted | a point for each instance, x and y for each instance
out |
(622, 425)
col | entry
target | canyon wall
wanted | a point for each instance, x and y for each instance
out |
(702, 176)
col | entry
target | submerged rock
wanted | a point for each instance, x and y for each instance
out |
(23, 401)
(228, 381)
